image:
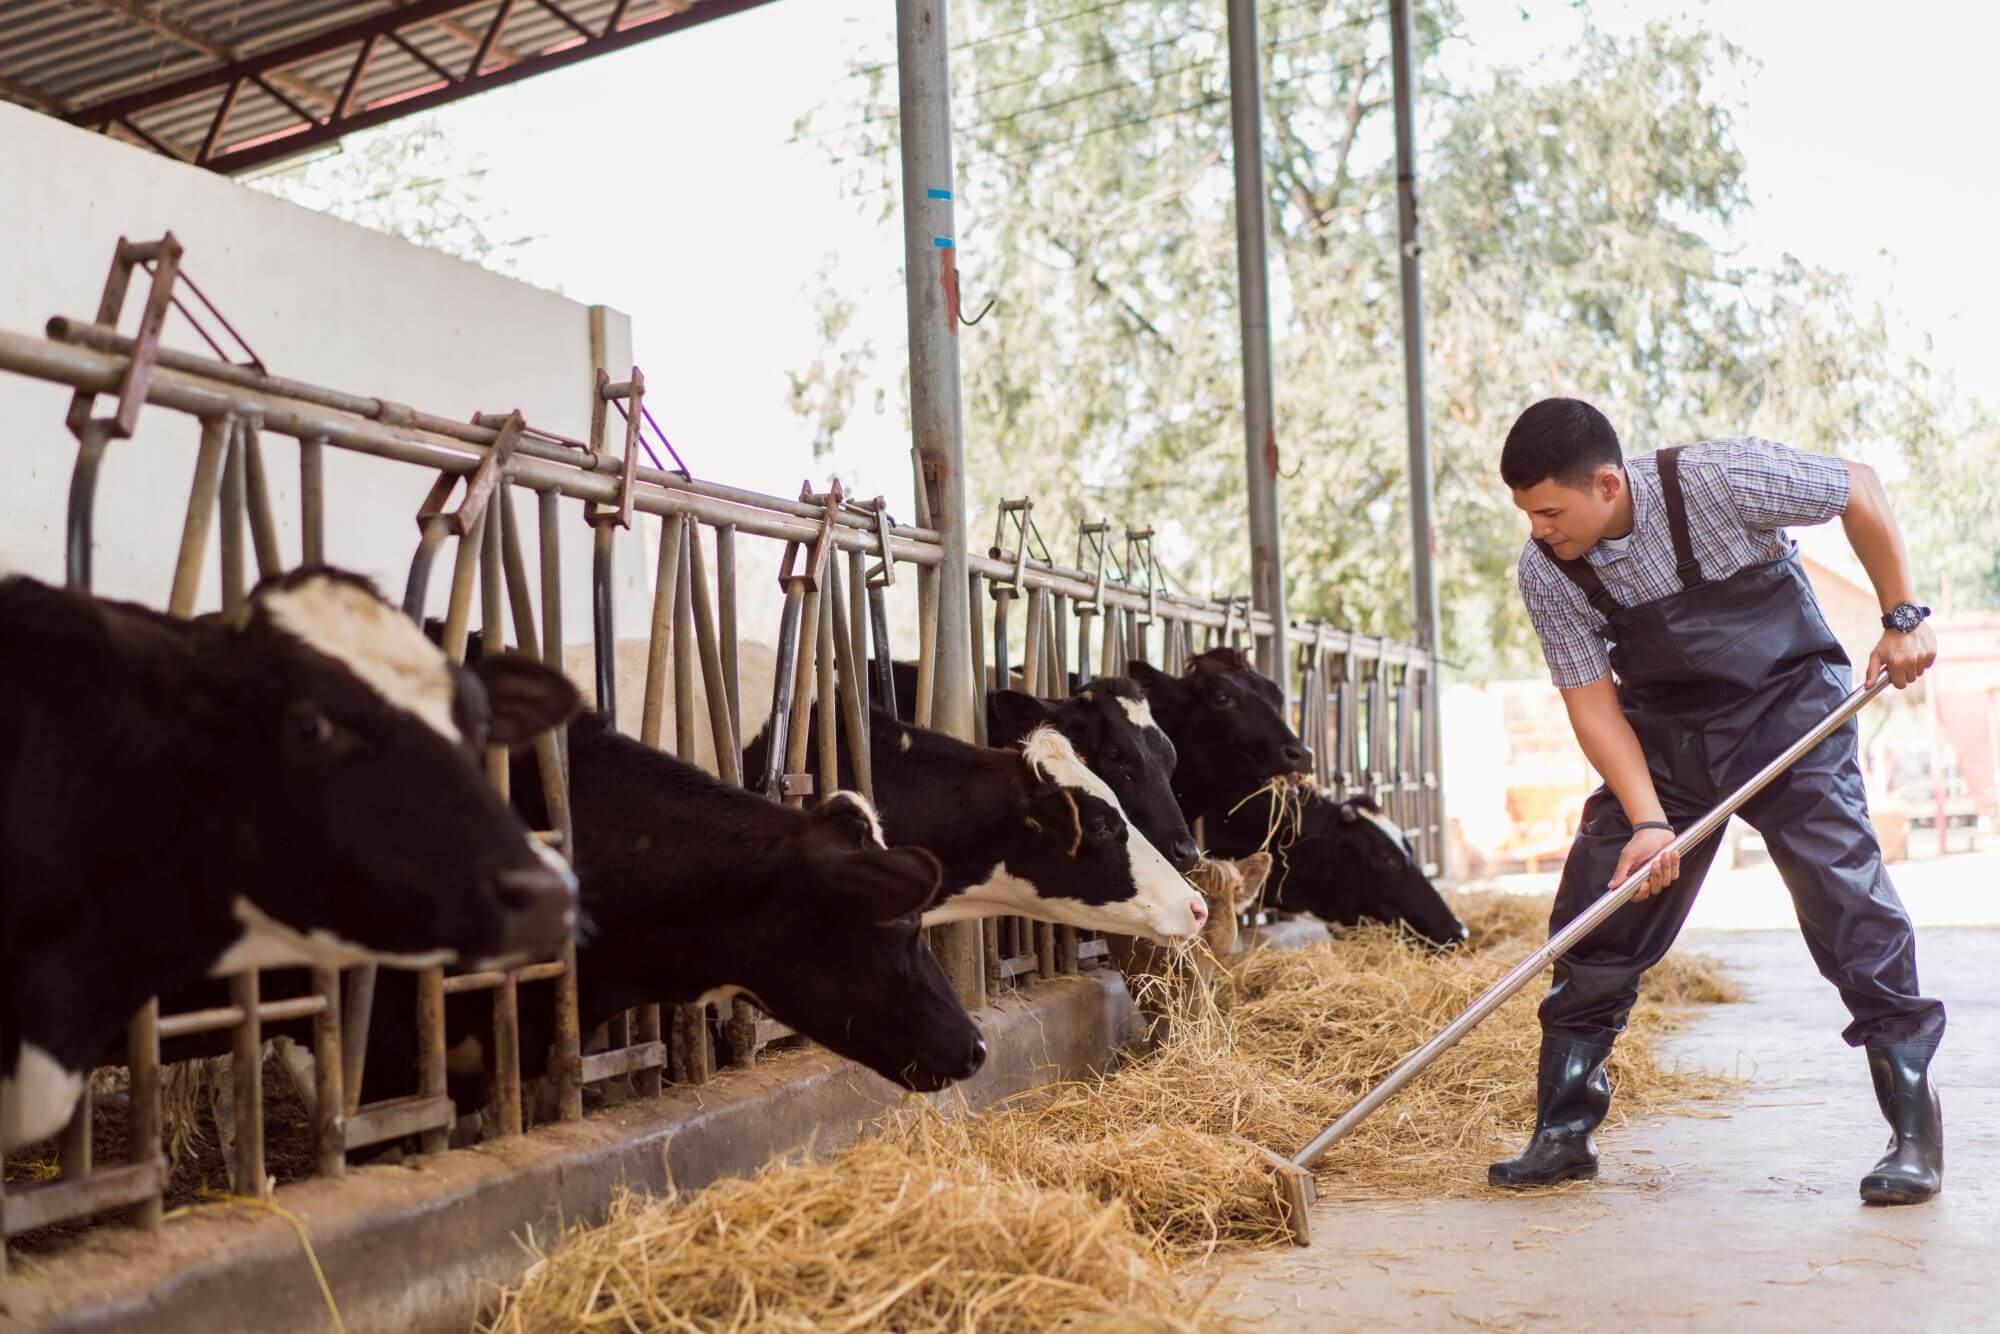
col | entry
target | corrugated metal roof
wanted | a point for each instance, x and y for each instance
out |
(295, 73)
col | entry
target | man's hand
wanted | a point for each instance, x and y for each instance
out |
(1643, 847)
(1907, 655)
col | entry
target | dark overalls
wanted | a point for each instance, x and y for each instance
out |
(1716, 680)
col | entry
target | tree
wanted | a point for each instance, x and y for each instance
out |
(408, 180)
(1575, 229)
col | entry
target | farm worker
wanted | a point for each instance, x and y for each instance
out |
(1689, 649)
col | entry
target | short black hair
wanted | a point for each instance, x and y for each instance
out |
(1563, 438)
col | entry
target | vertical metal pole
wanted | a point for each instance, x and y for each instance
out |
(930, 266)
(550, 753)
(247, 1074)
(1260, 432)
(1423, 533)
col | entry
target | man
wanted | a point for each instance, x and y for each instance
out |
(1690, 651)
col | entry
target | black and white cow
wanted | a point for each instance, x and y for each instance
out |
(1111, 725)
(181, 797)
(692, 890)
(1347, 862)
(1227, 722)
(1030, 831)
(695, 888)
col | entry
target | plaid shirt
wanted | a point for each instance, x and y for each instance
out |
(1740, 494)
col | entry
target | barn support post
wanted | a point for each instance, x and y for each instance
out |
(1423, 528)
(1260, 434)
(930, 268)
(551, 758)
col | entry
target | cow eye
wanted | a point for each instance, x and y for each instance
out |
(1219, 700)
(1098, 827)
(311, 726)
(1112, 757)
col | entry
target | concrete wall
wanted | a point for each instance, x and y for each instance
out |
(320, 300)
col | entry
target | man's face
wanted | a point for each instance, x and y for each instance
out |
(1571, 518)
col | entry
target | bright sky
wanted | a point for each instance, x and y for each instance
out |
(660, 182)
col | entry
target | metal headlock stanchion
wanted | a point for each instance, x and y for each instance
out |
(1586, 922)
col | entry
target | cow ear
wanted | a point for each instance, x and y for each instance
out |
(1156, 683)
(884, 886)
(526, 697)
(1015, 714)
(1255, 869)
(1051, 812)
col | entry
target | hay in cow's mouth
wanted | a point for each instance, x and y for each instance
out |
(1131, 1174)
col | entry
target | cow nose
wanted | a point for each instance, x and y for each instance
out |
(1298, 757)
(1186, 856)
(1200, 911)
(537, 907)
(976, 1059)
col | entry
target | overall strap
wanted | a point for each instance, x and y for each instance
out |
(1584, 577)
(1685, 564)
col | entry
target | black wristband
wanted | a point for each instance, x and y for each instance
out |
(1652, 824)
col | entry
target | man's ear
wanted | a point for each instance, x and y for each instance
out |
(1610, 481)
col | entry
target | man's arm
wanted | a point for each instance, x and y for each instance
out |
(1878, 543)
(1613, 750)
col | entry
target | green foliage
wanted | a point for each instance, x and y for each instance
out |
(1575, 230)
(406, 179)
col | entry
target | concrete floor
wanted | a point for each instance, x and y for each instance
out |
(1746, 1220)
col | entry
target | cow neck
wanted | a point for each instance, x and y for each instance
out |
(952, 798)
(1193, 789)
(668, 863)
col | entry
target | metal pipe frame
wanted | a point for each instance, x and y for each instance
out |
(229, 476)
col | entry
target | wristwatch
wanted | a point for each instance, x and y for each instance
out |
(1905, 616)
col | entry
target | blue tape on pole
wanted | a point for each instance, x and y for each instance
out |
(939, 194)
(942, 242)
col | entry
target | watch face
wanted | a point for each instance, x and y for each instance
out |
(1907, 618)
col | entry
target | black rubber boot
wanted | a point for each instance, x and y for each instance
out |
(1572, 1095)
(1912, 1171)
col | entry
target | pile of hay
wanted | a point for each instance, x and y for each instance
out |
(879, 1237)
(1076, 1198)
(1285, 1042)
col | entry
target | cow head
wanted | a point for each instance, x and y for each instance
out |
(837, 950)
(1229, 887)
(1074, 858)
(1111, 726)
(1227, 722)
(1360, 865)
(361, 822)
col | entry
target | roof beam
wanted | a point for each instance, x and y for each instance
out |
(286, 145)
(470, 38)
(156, 22)
(344, 37)
(30, 98)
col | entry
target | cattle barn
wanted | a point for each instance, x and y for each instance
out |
(255, 397)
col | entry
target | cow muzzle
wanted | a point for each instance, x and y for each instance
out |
(537, 909)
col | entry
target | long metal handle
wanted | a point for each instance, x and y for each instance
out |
(1586, 922)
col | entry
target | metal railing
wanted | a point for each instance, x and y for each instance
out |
(1360, 698)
